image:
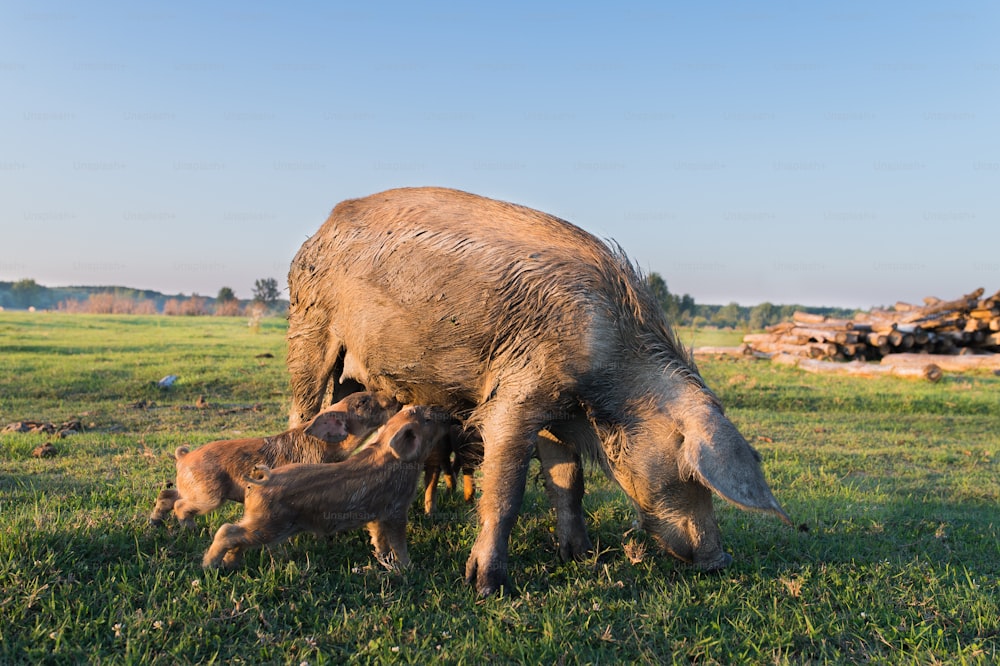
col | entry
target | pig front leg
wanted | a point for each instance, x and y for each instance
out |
(563, 471)
(389, 541)
(164, 505)
(508, 448)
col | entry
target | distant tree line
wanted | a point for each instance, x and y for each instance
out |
(684, 311)
(759, 316)
(26, 293)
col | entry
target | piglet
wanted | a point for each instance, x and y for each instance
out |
(212, 474)
(374, 488)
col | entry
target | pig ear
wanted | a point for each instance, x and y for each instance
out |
(328, 426)
(729, 466)
(386, 401)
(405, 443)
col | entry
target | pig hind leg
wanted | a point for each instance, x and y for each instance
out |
(186, 509)
(468, 484)
(563, 472)
(449, 474)
(431, 474)
(233, 539)
(468, 456)
(227, 547)
(433, 471)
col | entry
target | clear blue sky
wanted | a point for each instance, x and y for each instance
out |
(819, 153)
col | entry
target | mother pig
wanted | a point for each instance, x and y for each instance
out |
(524, 322)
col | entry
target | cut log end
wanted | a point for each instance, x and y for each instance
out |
(932, 373)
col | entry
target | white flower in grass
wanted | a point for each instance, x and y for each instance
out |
(117, 629)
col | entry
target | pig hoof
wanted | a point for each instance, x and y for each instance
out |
(216, 565)
(499, 586)
(717, 563)
(503, 588)
(576, 550)
(388, 560)
(488, 582)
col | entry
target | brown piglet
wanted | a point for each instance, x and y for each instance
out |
(461, 450)
(212, 474)
(373, 488)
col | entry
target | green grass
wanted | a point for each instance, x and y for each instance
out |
(895, 481)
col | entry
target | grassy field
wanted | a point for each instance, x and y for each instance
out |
(895, 486)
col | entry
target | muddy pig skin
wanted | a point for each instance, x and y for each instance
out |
(520, 322)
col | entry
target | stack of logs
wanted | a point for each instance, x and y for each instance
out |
(970, 324)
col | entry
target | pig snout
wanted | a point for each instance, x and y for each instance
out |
(696, 542)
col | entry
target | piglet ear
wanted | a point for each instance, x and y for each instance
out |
(388, 402)
(328, 426)
(719, 458)
(405, 443)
